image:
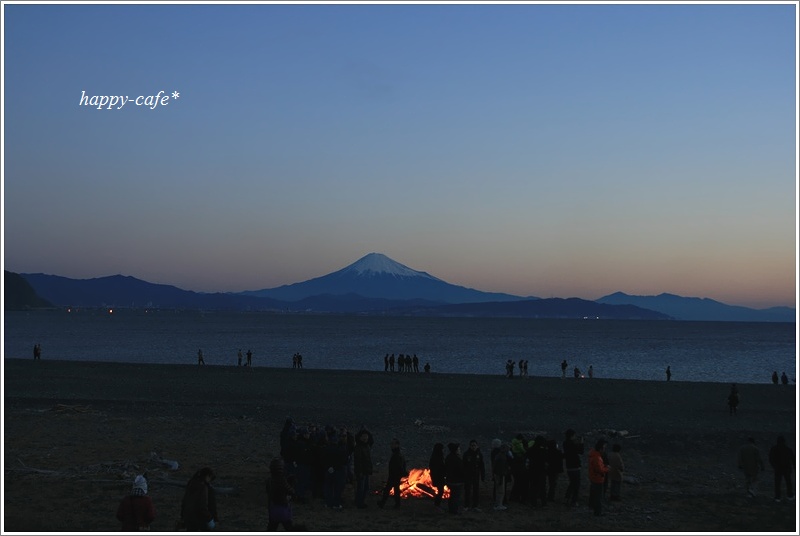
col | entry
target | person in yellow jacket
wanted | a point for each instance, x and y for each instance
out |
(597, 475)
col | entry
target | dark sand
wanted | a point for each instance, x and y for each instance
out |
(75, 434)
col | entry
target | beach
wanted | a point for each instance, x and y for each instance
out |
(77, 432)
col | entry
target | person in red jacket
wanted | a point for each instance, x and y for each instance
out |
(136, 511)
(597, 474)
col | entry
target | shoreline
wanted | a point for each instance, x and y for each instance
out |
(73, 430)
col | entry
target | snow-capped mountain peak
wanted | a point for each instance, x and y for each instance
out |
(377, 263)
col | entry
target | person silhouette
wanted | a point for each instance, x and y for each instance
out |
(669, 373)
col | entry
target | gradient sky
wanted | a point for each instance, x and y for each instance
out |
(544, 150)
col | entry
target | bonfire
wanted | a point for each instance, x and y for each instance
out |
(419, 484)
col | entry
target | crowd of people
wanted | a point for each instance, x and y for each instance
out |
(318, 462)
(403, 362)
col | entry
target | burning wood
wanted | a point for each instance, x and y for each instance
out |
(419, 484)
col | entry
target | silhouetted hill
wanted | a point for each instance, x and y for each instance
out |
(126, 291)
(682, 308)
(19, 295)
(573, 308)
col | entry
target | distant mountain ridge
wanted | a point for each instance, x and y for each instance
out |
(376, 284)
(706, 309)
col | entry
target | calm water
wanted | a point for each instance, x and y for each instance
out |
(696, 351)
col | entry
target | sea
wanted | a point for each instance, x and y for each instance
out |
(727, 352)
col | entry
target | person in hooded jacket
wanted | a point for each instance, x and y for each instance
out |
(136, 511)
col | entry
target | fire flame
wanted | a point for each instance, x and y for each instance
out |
(419, 484)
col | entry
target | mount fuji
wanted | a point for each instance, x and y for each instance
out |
(377, 276)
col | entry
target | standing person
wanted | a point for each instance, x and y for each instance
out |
(279, 497)
(397, 471)
(249, 358)
(750, 464)
(563, 369)
(537, 471)
(136, 511)
(200, 360)
(500, 472)
(615, 470)
(427, 367)
(239, 357)
(775, 377)
(555, 466)
(37, 351)
(199, 505)
(597, 476)
(782, 461)
(573, 450)
(519, 477)
(391, 363)
(386, 363)
(669, 373)
(784, 378)
(415, 363)
(591, 372)
(454, 476)
(362, 466)
(474, 474)
(437, 469)
(576, 372)
(733, 400)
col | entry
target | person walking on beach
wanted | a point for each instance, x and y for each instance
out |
(199, 505)
(750, 464)
(397, 471)
(775, 377)
(597, 476)
(454, 476)
(573, 450)
(279, 497)
(362, 466)
(563, 369)
(437, 470)
(782, 461)
(474, 474)
(136, 511)
(200, 360)
(733, 400)
(669, 373)
(615, 470)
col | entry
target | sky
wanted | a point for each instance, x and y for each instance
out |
(565, 150)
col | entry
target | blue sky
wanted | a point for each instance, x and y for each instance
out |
(547, 150)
